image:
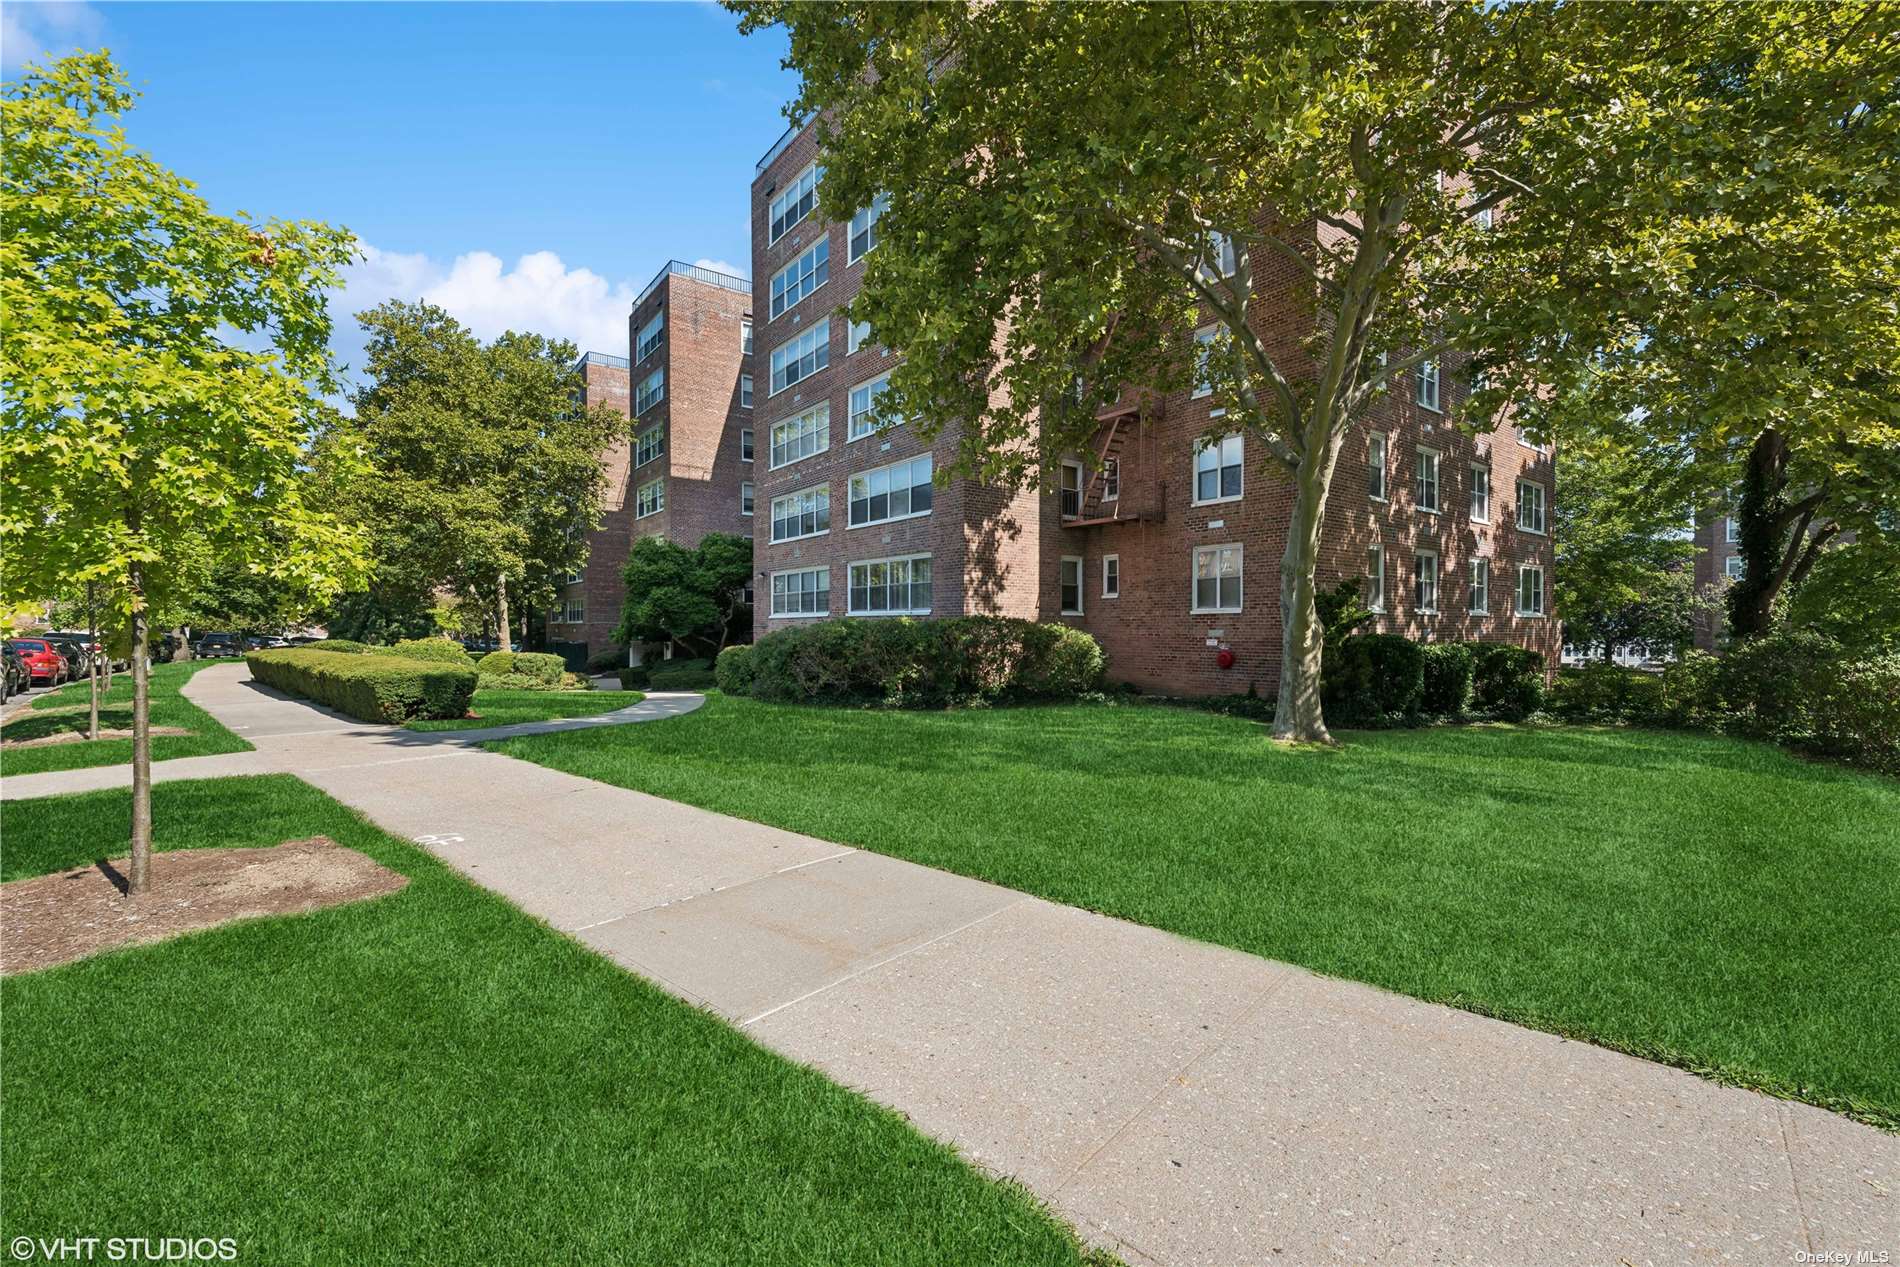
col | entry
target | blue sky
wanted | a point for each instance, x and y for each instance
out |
(526, 165)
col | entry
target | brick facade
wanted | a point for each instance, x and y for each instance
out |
(998, 551)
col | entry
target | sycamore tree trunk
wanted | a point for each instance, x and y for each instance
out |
(139, 873)
(1298, 716)
(501, 606)
(92, 662)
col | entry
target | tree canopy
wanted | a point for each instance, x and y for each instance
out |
(693, 597)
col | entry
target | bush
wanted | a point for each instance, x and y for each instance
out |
(1861, 722)
(1778, 686)
(680, 675)
(633, 678)
(733, 670)
(607, 660)
(1374, 679)
(924, 664)
(1507, 681)
(336, 644)
(439, 650)
(369, 687)
(1685, 694)
(545, 669)
(1448, 674)
(1607, 693)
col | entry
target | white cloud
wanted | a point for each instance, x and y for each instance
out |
(726, 267)
(36, 31)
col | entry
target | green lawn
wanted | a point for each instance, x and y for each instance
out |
(435, 1077)
(505, 708)
(1715, 904)
(66, 710)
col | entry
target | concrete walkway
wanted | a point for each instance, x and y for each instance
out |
(1180, 1103)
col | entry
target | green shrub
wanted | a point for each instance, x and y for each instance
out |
(1607, 693)
(733, 670)
(440, 650)
(634, 678)
(680, 675)
(369, 687)
(924, 664)
(1861, 722)
(1507, 681)
(1448, 674)
(543, 668)
(496, 664)
(335, 644)
(1685, 693)
(1374, 679)
(607, 660)
(1778, 686)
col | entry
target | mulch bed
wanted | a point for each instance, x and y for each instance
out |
(53, 919)
(74, 736)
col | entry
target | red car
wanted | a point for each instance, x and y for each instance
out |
(43, 660)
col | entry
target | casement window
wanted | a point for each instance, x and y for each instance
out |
(801, 277)
(806, 513)
(1217, 578)
(1425, 581)
(801, 356)
(1112, 480)
(1111, 576)
(652, 444)
(901, 490)
(1530, 506)
(652, 391)
(745, 498)
(650, 335)
(1530, 590)
(856, 335)
(863, 418)
(1735, 567)
(801, 435)
(793, 203)
(802, 592)
(745, 444)
(745, 336)
(1481, 587)
(1375, 466)
(1203, 360)
(1071, 489)
(1733, 528)
(1425, 486)
(651, 499)
(745, 391)
(864, 229)
(1480, 493)
(1218, 259)
(891, 587)
(1375, 578)
(1072, 569)
(1217, 473)
(1428, 384)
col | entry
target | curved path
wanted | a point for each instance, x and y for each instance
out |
(1179, 1102)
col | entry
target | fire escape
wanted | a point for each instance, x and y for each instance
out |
(1125, 451)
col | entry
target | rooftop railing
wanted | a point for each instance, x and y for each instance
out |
(679, 268)
(602, 358)
(778, 148)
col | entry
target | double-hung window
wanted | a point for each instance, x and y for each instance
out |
(1217, 578)
(1734, 567)
(651, 499)
(652, 391)
(652, 444)
(1072, 569)
(745, 391)
(802, 592)
(1425, 489)
(801, 277)
(1375, 578)
(1071, 489)
(1733, 527)
(1217, 471)
(745, 498)
(801, 356)
(1428, 384)
(864, 228)
(1112, 480)
(806, 513)
(1375, 466)
(1480, 493)
(1530, 590)
(745, 444)
(793, 203)
(745, 335)
(856, 335)
(1481, 587)
(899, 491)
(1111, 576)
(1425, 581)
(650, 335)
(891, 587)
(801, 435)
(1204, 360)
(1530, 506)
(863, 419)
(1218, 260)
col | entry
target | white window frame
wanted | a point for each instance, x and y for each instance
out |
(1221, 254)
(745, 391)
(864, 224)
(1111, 576)
(814, 423)
(1111, 479)
(643, 505)
(1734, 567)
(1381, 443)
(1425, 582)
(650, 445)
(652, 391)
(813, 343)
(875, 386)
(1240, 579)
(745, 335)
(1219, 449)
(1523, 569)
(748, 498)
(909, 467)
(1203, 357)
(1732, 529)
(800, 189)
(819, 609)
(1071, 472)
(856, 335)
(747, 449)
(1427, 394)
(793, 283)
(652, 334)
(1479, 493)
(1481, 587)
(909, 583)
(819, 510)
(1435, 460)
(1542, 505)
(1375, 577)
(1081, 582)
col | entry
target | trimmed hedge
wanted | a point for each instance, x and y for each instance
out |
(924, 664)
(1389, 680)
(607, 659)
(439, 650)
(1450, 668)
(344, 645)
(1606, 692)
(634, 678)
(1373, 679)
(680, 675)
(734, 670)
(544, 668)
(369, 687)
(1507, 681)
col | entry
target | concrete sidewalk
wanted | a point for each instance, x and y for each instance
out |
(1179, 1102)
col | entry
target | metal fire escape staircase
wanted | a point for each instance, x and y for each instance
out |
(1142, 497)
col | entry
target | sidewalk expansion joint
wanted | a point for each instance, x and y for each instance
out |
(718, 888)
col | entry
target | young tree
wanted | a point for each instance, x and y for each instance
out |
(695, 597)
(159, 365)
(1070, 186)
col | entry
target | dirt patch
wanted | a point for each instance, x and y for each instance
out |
(54, 919)
(71, 736)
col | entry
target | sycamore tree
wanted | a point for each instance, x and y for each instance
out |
(159, 370)
(1347, 192)
(484, 467)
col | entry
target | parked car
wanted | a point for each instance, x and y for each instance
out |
(42, 660)
(264, 642)
(14, 675)
(215, 645)
(78, 654)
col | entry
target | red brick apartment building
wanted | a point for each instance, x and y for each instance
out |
(1166, 551)
(687, 471)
